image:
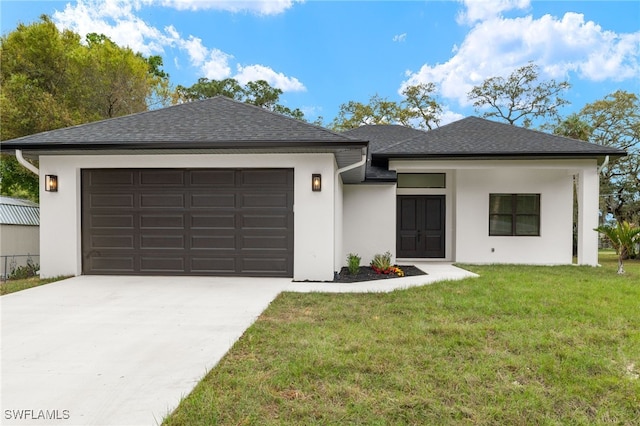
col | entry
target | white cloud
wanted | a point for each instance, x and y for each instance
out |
(275, 79)
(260, 7)
(115, 19)
(400, 37)
(118, 20)
(447, 116)
(216, 66)
(481, 10)
(497, 46)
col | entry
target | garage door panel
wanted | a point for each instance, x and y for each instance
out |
(162, 264)
(214, 201)
(266, 242)
(188, 222)
(213, 221)
(98, 221)
(214, 242)
(162, 242)
(111, 200)
(270, 178)
(264, 200)
(162, 200)
(148, 221)
(155, 178)
(220, 178)
(108, 180)
(264, 266)
(112, 264)
(214, 265)
(252, 221)
(111, 242)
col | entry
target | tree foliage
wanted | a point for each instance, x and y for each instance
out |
(418, 109)
(615, 121)
(259, 93)
(50, 79)
(519, 98)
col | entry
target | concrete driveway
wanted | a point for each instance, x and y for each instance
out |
(118, 350)
(124, 350)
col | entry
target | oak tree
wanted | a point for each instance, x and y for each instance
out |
(520, 98)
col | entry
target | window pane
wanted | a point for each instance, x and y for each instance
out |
(528, 203)
(500, 224)
(500, 203)
(527, 225)
(421, 180)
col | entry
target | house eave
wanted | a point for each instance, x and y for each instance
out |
(501, 156)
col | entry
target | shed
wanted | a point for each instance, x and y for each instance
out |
(19, 233)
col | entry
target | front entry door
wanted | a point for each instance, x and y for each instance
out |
(421, 221)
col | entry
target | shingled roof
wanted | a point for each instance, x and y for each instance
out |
(211, 123)
(471, 137)
(476, 137)
(381, 137)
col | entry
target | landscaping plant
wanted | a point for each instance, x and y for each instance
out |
(353, 262)
(381, 263)
(624, 237)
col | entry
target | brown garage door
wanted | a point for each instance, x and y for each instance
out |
(188, 222)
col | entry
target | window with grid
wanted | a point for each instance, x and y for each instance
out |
(514, 214)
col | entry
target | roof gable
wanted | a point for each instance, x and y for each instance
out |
(211, 122)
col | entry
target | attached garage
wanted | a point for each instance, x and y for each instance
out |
(222, 222)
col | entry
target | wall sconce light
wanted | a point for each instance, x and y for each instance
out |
(51, 183)
(316, 182)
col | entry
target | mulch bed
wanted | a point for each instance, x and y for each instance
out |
(367, 274)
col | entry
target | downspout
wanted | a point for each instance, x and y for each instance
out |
(362, 161)
(604, 164)
(355, 165)
(25, 163)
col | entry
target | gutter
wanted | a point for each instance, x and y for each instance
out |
(25, 163)
(604, 164)
(363, 160)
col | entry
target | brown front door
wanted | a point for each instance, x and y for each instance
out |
(187, 222)
(421, 226)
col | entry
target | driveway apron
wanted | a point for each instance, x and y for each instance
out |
(118, 350)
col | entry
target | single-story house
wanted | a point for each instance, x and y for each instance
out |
(219, 187)
(19, 233)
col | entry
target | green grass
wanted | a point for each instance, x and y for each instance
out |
(519, 345)
(12, 286)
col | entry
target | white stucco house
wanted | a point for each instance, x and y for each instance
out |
(219, 187)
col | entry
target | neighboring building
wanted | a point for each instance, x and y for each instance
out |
(219, 187)
(19, 233)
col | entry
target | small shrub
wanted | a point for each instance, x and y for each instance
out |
(381, 263)
(353, 262)
(27, 271)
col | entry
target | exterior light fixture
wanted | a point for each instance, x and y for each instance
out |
(51, 183)
(316, 182)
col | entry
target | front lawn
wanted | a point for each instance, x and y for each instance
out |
(519, 345)
(12, 286)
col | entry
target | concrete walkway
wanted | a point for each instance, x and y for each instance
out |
(96, 350)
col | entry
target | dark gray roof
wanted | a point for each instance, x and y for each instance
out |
(381, 137)
(476, 137)
(210, 123)
(470, 137)
(16, 211)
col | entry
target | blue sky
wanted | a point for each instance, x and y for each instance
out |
(325, 53)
